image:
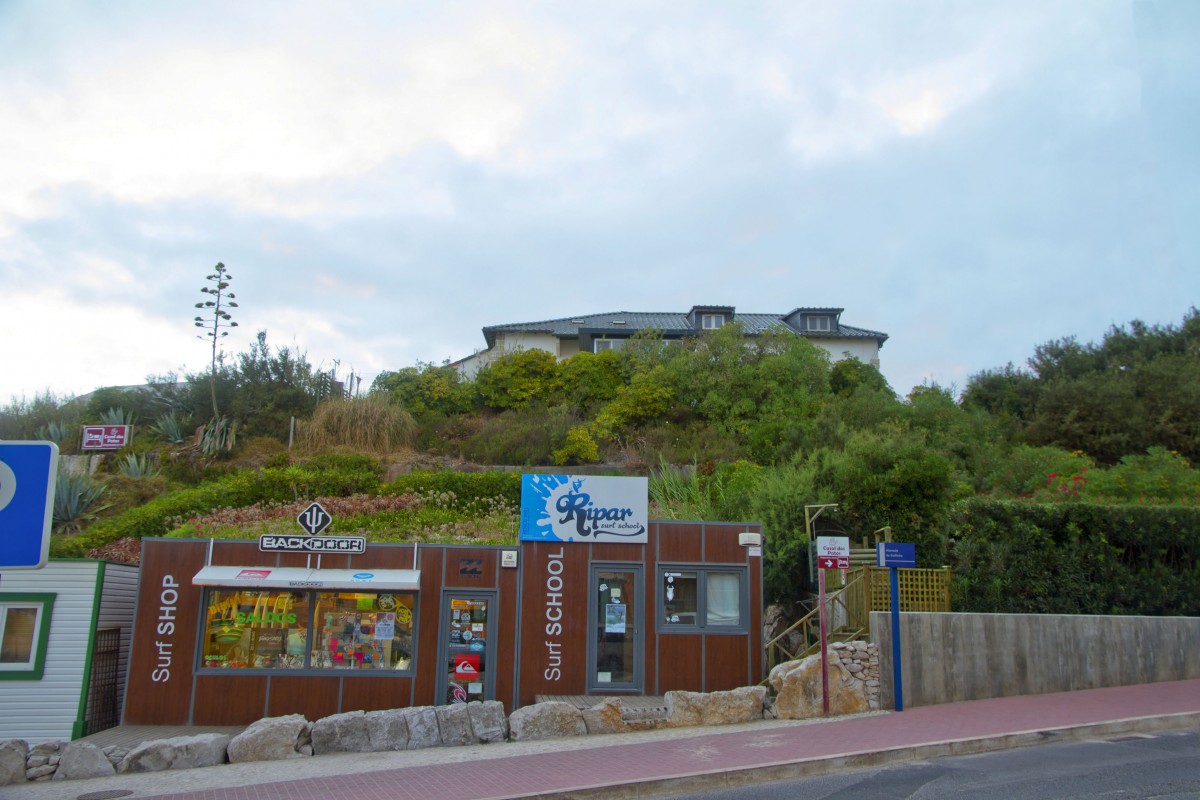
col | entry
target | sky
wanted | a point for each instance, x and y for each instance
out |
(382, 180)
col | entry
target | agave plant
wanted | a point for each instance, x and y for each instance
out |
(74, 499)
(117, 416)
(168, 427)
(53, 432)
(136, 466)
(219, 434)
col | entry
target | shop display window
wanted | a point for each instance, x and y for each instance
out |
(256, 629)
(264, 629)
(363, 630)
(696, 599)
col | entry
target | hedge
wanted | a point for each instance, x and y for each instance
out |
(1076, 558)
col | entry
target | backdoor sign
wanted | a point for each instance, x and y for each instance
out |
(27, 477)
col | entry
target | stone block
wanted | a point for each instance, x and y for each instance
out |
(546, 721)
(269, 739)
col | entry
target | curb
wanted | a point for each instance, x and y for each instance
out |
(735, 777)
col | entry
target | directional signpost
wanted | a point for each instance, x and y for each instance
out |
(27, 476)
(833, 552)
(896, 555)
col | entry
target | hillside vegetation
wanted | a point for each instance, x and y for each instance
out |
(1067, 485)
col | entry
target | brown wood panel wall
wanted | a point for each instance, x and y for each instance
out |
(726, 663)
(230, 699)
(650, 624)
(376, 694)
(428, 607)
(680, 541)
(505, 646)
(721, 544)
(471, 568)
(314, 696)
(680, 657)
(571, 642)
(164, 702)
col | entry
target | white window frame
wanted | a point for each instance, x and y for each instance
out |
(34, 666)
(710, 322)
(818, 322)
(602, 343)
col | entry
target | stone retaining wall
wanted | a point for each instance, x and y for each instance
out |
(854, 667)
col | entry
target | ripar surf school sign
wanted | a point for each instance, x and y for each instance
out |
(583, 508)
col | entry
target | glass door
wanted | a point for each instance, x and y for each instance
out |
(616, 642)
(467, 630)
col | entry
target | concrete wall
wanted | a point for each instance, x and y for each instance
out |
(946, 658)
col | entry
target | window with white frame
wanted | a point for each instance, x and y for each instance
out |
(817, 323)
(599, 345)
(710, 322)
(702, 598)
(24, 633)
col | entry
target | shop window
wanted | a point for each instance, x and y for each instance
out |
(264, 629)
(24, 634)
(363, 630)
(694, 599)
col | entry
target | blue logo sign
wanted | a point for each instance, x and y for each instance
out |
(363, 576)
(579, 508)
(895, 554)
(27, 475)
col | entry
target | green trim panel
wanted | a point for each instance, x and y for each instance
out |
(43, 635)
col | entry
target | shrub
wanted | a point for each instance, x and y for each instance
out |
(580, 448)
(368, 424)
(519, 436)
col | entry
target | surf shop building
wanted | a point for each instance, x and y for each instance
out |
(595, 598)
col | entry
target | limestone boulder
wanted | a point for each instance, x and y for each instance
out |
(341, 733)
(744, 704)
(454, 725)
(270, 739)
(83, 760)
(797, 685)
(387, 730)
(546, 721)
(423, 728)
(13, 753)
(178, 752)
(605, 717)
(488, 722)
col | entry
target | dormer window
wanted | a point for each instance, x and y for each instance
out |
(710, 322)
(818, 323)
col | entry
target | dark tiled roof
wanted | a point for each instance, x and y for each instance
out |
(673, 324)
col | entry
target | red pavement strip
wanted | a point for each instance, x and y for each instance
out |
(726, 759)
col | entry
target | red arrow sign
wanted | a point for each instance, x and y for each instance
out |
(834, 563)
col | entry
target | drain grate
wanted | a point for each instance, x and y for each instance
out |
(107, 794)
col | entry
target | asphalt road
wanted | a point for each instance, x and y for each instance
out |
(1164, 765)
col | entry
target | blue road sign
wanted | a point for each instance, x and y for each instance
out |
(895, 554)
(27, 475)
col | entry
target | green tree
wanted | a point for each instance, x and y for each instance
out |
(516, 379)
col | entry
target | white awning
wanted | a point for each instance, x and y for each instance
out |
(298, 578)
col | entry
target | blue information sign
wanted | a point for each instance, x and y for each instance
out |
(27, 476)
(895, 554)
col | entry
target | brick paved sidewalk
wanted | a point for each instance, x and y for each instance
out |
(615, 769)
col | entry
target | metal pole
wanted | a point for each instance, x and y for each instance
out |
(897, 678)
(822, 627)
